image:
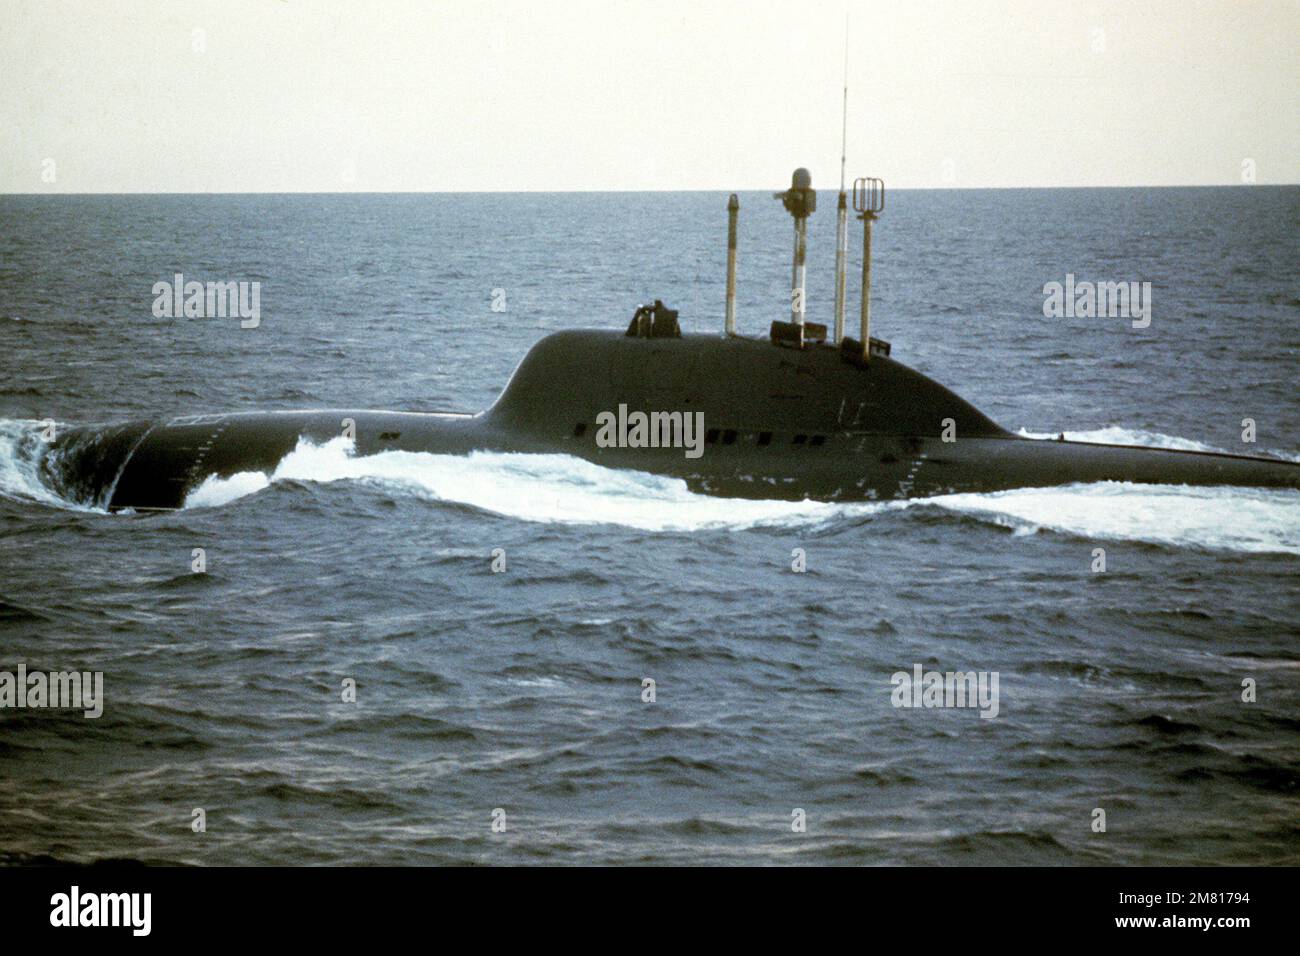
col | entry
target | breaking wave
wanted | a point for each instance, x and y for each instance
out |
(23, 453)
(555, 488)
(562, 489)
(558, 488)
(1232, 519)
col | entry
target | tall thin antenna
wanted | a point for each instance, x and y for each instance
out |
(841, 223)
(844, 128)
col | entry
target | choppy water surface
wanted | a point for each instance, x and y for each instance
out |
(522, 690)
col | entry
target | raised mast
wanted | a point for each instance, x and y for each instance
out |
(842, 213)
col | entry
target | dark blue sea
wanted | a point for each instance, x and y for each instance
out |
(517, 696)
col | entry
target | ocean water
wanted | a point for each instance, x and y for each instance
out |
(517, 696)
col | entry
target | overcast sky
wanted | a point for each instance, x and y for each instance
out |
(357, 95)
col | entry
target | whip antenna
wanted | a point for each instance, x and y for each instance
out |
(842, 224)
(844, 127)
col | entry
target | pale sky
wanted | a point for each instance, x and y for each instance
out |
(382, 95)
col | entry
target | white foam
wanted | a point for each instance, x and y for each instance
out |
(547, 682)
(1115, 435)
(216, 491)
(558, 488)
(1235, 519)
(22, 449)
(530, 487)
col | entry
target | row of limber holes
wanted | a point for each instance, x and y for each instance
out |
(727, 436)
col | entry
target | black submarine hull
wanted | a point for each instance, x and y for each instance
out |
(781, 423)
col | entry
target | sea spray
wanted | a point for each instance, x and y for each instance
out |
(562, 489)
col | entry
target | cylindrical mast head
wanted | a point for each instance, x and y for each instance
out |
(800, 201)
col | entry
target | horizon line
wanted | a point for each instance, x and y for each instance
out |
(544, 192)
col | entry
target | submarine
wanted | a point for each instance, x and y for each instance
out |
(801, 413)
